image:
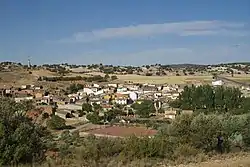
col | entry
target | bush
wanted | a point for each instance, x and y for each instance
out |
(56, 123)
(74, 88)
(205, 129)
(87, 107)
(113, 77)
(180, 129)
(246, 132)
(94, 118)
(149, 74)
(185, 150)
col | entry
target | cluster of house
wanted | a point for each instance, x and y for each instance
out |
(125, 93)
(104, 95)
(121, 94)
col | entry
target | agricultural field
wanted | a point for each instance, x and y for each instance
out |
(245, 78)
(124, 131)
(165, 79)
(43, 72)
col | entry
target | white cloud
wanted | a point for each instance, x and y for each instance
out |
(203, 54)
(189, 28)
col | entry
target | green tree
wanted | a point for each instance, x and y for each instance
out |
(56, 122)
(180, 129)
(87, 107)
(144, 109)
(113, 77)
(109, 116)
(222, 99)
(74, 88)
(205, 129)
(22, 141)
(97, 107)
(94, 118)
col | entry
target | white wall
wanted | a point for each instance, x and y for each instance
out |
(88, 91)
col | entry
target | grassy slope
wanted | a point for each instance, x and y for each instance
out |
(233, 161)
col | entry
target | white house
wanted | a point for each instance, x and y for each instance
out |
(99, 92)
(175, 96)
(133, 87)
(19, 99)
(24, 86)
(113, 85)
(96, 85)
(133, 96)
(166, 89)
(121, 101)
(122, 89)
(217, 83)
(88, 91)
(157, 95)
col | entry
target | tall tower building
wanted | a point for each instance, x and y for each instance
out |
(29, 64)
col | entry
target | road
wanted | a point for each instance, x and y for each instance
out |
(233, 81)
(79, 127)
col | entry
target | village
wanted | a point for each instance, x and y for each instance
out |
(107, 97)
(114, 102)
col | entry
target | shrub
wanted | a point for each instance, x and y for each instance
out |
(56, 123)
(149, 74)
(205, 129)
(185, 150)
(113, 77)
(246, 132)
(94, 118)
(87, 107)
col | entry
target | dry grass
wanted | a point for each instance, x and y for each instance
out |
(240, 78)
(43, 72)
(234, 160)
(238, 160)
(16, 78)
(20, 77)
(164, 79)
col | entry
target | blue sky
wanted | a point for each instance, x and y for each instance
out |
(126, 32)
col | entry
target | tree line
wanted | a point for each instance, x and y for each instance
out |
(207, 98)
(96, 78)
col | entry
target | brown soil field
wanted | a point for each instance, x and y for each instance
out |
(124, 131)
